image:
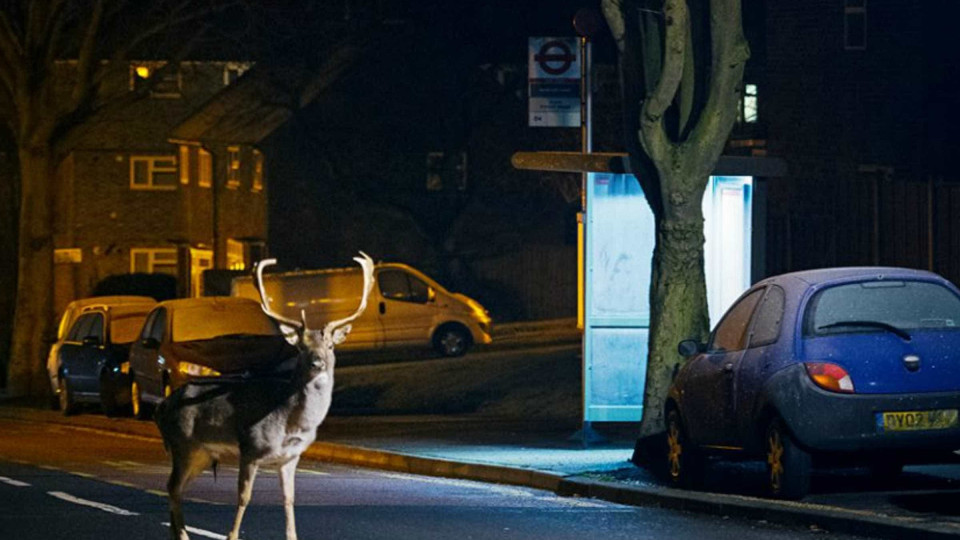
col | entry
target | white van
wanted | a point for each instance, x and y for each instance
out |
(406, 308)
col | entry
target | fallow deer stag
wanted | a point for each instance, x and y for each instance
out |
(262, 421)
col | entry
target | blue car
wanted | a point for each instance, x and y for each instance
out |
(853, 366)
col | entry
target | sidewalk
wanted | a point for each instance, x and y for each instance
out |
(539, 455)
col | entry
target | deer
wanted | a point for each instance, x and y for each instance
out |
(261, 421)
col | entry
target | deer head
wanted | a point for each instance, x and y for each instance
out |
(318, 342)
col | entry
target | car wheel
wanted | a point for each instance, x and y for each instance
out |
(67, 405)
(137, 406)
(788, 465)
(685, 463)
(451, 341)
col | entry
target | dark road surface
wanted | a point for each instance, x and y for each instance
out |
(59, 482)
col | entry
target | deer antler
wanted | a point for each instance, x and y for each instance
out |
(366, 263)
(263, 296)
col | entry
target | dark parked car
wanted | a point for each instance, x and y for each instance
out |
(92, 359)
(847, 366)
(70, 314)
(194, 338)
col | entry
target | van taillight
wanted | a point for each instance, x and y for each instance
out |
(830, 377)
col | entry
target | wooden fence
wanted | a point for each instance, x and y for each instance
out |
(872, 221)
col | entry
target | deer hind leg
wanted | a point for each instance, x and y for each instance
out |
(186, 467)
(287, 476)
(248, 472)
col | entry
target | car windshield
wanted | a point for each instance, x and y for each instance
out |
(126, 328)
(208, 321)
(897, 307)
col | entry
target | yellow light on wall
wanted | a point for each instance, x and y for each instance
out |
(143, 72)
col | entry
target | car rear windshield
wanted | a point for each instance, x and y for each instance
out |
(876, 306)
(126, 328)
(210, 321)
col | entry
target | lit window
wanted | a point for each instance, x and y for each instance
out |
(235, 259)
(153, 172)
(205, 164)
(257, 170)
(855, 25)
(153, 261)
(167, 86)
(748, 108)
(233, 167)
(184, 164)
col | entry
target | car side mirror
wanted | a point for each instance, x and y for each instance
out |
(689, 347)
(150, 343)
(431, 295)
(91, 341)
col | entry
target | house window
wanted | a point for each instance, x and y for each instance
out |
(153, 172)
(235, 258)
(233, 70)
(233, 167)
(257, 171)
(748, 106)
(153, 261)
(205, 164)
(162, 83)
(855, 25)
(184, 164)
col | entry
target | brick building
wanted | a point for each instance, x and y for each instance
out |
(857, 96)
(173, 183)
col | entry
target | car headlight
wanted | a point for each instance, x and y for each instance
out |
(196, 370)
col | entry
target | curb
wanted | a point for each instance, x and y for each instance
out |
(796, 514)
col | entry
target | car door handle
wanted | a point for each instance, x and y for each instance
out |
(728, 368)
(383, 308)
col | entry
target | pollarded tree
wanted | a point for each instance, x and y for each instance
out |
(44, 110)
(681, 64)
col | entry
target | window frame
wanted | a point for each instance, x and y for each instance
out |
(257, 185)
(204, 168)
(153, 66)
(233, 167)
(152, 262)
(152, 168)
(183, 163)
(854, 8)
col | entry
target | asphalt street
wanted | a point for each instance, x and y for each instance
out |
(64, 482)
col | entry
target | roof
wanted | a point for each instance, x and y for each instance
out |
(823, 275)
(109, 301)
(225, 301)
(260, 101)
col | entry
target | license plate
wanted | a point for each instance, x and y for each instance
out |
(917, 420)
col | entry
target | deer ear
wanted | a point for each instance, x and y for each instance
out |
(290, 334)
(340, 334)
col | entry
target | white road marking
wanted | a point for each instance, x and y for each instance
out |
(199, 532)
(12, 482)
(93, 504)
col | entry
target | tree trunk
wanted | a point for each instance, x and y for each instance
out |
(678, 299)
(32, 324)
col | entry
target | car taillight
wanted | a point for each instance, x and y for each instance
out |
(830, 377)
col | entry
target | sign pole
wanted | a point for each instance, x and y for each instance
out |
(586, 25)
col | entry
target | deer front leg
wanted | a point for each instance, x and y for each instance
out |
(248, 472)
(288, 473)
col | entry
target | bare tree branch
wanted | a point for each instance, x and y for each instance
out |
(729, 60)
(86, 58)
(655, 140)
